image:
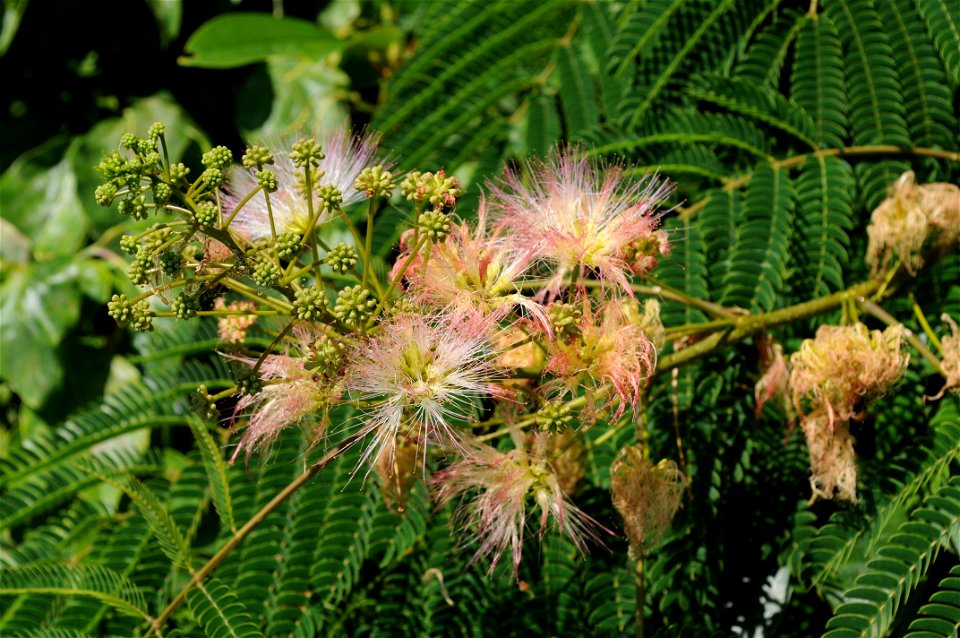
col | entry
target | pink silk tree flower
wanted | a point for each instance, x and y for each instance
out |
(344, 158)
(291, 392)
(496, 491)
(422, 374)
(473, 270)
(607, 348)
(578, 216)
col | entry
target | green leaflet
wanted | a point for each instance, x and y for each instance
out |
(759, 257)
(217, 472)
(825, 202)
(874, 90)
(220, 612)
(817, 81)
(89, 581)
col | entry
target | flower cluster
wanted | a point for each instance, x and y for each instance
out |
(496, 340)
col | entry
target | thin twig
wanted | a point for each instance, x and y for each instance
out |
(243, 532)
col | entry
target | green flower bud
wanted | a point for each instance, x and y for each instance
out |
(129, 140)
(325, 356)
(119, 308)
(140, 267)
(212, 177)
(331, 196)
(142, 322)
(288, 246)
(171, 262)
(125, 312)
(554, 417)
(112, 166)
(306, 152)
(435, 225)
(156, 130)
(249, 382)
(267, 273)
(341, 258)
(217, 157)
(374, 181)
(436, 188)
(149, 157)
(158, 236)
(565, 319)
(257, 157)
(410, 185)
(129, 245)
(161, 193)
(179, 172)
(203, 404)
(309, 304)
(354, 306)
(105, 193)
(186, 305)
(133, 206)
(402, 306)
(206, 214)
(268, 180)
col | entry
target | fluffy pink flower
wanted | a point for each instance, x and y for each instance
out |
(344, 158)
(608, 348)
(290, 393)
(577, 214)
(423, 374)
(505, 484)
(472, 270)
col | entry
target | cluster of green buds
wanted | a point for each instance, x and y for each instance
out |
(554, 417)
(374, 181)
(325, 356)
(565, 319)
(436, 189)
(136, 314)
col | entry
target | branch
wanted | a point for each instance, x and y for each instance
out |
(244, 531)
(748, 325)
(848, 151)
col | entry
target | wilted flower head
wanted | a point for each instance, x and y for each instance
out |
(832, 378)
(290, 393)
(646, 495)
(951, 358)
(344, 158)
(473, 270)
(496, 489)
(423, 373)
(577, 214)
(607, 349)
(916, 222)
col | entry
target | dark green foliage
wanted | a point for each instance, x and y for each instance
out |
(750, 108)
(759, 255)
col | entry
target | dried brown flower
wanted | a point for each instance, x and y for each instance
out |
(646, 495)
(915, 223)
(832, 378)
(951, 358)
